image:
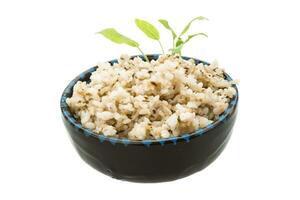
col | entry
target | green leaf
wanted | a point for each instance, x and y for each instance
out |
(165, 23)
(147, 28)
(189, 24)
(118, 38)
(191, 36)
(177, 49)
(179, 42)
(178, 46)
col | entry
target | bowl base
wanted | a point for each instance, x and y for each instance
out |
(96, 164)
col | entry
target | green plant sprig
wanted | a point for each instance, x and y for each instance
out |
(151, 31)
(115, 36)
(165, 23)
(178, 42)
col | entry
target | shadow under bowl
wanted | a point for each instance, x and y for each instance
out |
(149, 160)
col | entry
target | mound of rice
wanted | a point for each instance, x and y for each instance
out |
(140, 100)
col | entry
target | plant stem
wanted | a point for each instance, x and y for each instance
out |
(146, 58)
(162, 49)
(173, 46)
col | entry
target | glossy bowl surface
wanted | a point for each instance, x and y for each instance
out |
(149, 160)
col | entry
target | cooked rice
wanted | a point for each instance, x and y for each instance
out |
(140, 100)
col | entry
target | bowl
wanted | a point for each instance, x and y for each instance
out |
(149, 160)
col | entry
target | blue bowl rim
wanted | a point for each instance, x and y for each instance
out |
(184, 137)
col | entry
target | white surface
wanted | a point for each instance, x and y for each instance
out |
(44, 44)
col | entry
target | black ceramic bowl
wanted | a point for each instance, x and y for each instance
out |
(149, 160)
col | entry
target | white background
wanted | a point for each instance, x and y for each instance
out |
(44, 44)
